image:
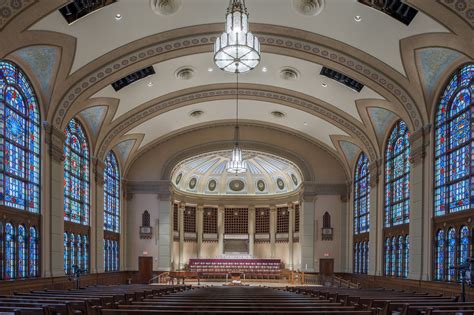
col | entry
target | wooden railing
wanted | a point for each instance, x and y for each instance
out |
(343, 283)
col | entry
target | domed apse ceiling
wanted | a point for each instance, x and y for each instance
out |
(266, 174)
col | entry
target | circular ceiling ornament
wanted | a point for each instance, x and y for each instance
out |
(165, 7)
(280, 184)
(295, 180)
(184, 73)
(212, 185)
(308, 7)
(260, 185)
(289, 74)
(196, 113)
(236, 185)
(192, 183)
(178, 178)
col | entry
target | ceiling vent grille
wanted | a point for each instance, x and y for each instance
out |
(341, 78)
(80, 8)
(395, 8)
(133, 77)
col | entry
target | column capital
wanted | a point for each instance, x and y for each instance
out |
(273, 208)
(55, 140)
(375, 170)
(200, 208)
(98, 168)
(419, 141)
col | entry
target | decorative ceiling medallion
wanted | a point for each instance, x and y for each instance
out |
(280, 184)
(295, 180)
(192, 183)
(260, 185)
(308, 7)
(212, 185)
(178, 178)
(184, 73)
(289, 74)
(165, 7)
(236, 185)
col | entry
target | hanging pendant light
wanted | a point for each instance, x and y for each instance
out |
(236, 165)
(237, 50)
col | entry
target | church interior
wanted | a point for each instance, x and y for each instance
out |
(253, 156)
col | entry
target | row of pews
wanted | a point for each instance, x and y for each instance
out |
(388, 302)
(181, 299)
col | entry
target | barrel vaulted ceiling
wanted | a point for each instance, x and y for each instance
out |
(402, 68)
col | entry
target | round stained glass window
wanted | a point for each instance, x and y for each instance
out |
(280, 184)
(261, 185)
(295, 180)
(236, 185)
(178, 178)
(192, 183)
(212, 185)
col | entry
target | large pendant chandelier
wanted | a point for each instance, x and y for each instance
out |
(237, 50)
(236, 165)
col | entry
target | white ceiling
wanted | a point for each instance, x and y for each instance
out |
(377, 34)
(174, 120)
(309, 82)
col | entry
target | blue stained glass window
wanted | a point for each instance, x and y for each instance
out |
(400, 252)
(72, 250)
(22, 257)
(67, 263)
(356, 257)
(10, 252)
(111, 194)
(464, 244)
(366, 268)
(397, 176)
(2, 261)
(454, 146)
(451, 253)
(440, 255)
(78, 261)
(388, 256)
(85, 251)
(361, 195)
(33, 252)
(394, 258)
(111, 255)
(19, 140)
(406, 256)
(76, 174)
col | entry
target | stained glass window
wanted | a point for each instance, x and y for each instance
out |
(111, 194)
(440, 255)
(451, 253)
(397, 176)
(394, 259)
(464, 244)
(19, 141)
(85, 251)
(76, 252)
(400, 252)
(454, 146)
(366, 253)
(22, 257)
(111, 255)
(76, 174)
(10, 252)
(2, 261)
(356, 258)
(33, 253)
(388, 256)
(67, 264)
(361, 195)
(406, 256)
(78, 259)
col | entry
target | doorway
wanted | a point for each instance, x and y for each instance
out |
(145, 269)
(326, 267)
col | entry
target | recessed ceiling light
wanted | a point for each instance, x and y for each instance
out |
(118, 16)
(324, 84)
(305, 123)
(150, 84)
(357, 18)
(264, 69)
(210, 69)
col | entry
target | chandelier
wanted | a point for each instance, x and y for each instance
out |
(237, 50)
(236, 165)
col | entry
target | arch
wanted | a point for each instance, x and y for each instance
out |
(451, 253)
(111, 194)
(20, 135)
(10, 252)
(440, 255)
(397, 176)
(453, 144)
(326, 220)
(361, 195)
(33, 253)
(76, 174)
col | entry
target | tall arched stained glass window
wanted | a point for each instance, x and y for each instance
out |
(85, 251)
(10, 252)
(440, 258)
(453, 144)
(394, 258)
(111, 194)
(464, 244)
(33, 252)
(451, 253)
(397, 176)
(20, 140)
(67, 264)
(406, 256)
(361, 195)
(72, 251)
(366, 267)
(400, 253)
(79, 259)
(22, 257)
(388, 256)
(2, 253)
(76, 174)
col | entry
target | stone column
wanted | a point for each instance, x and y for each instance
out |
(419, 214)
(273, 224)
(345, 231)
(97, 229)
(53, 223)
(199, 228)
(165, 233)
(220, 229)
(375, 221)
(291, 228)
(181, 235)
(307, 231)
(251, 229)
